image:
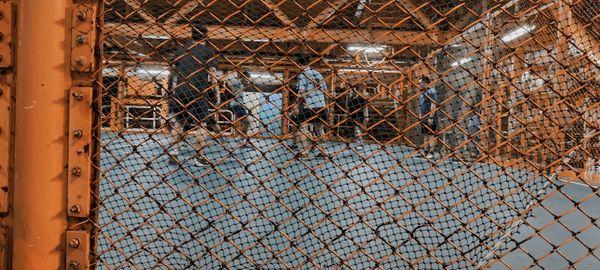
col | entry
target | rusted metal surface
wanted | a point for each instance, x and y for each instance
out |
(80, 139)
(6, 101)
(77, 250)
(83, 35)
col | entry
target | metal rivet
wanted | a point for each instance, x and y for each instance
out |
(78, 96)
(80, 39)
(75, 208)
(74, 243)
(81, 16)
(76, 171)
(78, 133)
(79, 60)
(74, 265)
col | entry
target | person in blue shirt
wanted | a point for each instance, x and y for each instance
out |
(193, 74)
(311, 88)
(428, 102)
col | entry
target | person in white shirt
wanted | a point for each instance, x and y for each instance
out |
(311, 88)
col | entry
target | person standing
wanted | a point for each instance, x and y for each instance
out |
(357, 110)
(311, 87)
(236, 105)
(193, 77)
(474, 127)
(428, 101)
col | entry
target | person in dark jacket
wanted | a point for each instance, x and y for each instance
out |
(193, 77)
(428, 101)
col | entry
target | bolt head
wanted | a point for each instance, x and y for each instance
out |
(81, 16)
(78, 133)
(80, 60)
(76, 171)
(75, 208)
(78, 96)
(74, 265)
(74, 243)
(80, 39)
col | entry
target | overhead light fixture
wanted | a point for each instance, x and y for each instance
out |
(152, 71)
(262, 75)
(461, 62)
(266, 78)
(164, 37)
(256, 40)
(517, 33)
(359, 70)
(368, 48)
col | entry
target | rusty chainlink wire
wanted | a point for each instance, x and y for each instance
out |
(431, 134)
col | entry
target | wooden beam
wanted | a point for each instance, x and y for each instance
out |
(468, 19)
(325, 14)
(278, 12)
(571, 30)
(417, 12)
(137, 7)
(182, 12)
(279, 34)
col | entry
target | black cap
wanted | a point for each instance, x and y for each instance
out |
(303, 59)
(199, 31)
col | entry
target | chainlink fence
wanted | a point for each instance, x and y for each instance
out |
(348, 134)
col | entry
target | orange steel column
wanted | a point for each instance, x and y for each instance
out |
(43, 80)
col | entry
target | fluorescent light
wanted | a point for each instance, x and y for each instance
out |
(517, 33)
(266, 78)
(156, 37)
(152, 71)
(367, 48)
(349, 70)
(261, 75)
(256, 40)
(461, 61)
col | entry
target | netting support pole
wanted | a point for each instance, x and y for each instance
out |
(43, 80)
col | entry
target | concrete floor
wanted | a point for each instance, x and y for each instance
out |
(381, 207)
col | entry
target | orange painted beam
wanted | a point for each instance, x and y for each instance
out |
(43, 78)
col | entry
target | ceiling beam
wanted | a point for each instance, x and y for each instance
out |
(137, 7)
(280, 34)
(276, 9)
(327, 13)
(417, 12)
(472, 15)
(182, 12)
